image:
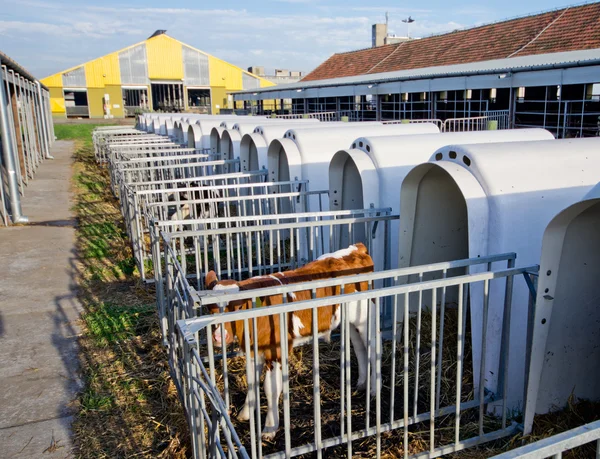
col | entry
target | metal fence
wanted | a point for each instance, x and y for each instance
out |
(414, 390)
(587, 436)
(322, 116)
(475, 123)
(502, 117)
(497, 119)
(189, 197)
(27, 134)
(185, 217)
(125, 138)
(177, 169)
(209, 206)
(243, 247)
(437, 122)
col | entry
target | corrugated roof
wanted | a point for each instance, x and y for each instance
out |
(567, 29)
(513, 64)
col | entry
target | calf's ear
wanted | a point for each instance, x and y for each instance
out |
(211, 280)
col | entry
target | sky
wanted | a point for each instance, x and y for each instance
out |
(47, 36)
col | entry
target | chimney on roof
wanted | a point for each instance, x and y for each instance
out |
(257, 70)
(379, 35)
(157, 33)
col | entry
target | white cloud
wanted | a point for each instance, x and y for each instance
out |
(27, 27)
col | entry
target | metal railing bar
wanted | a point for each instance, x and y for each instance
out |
(191, 325)
(210, 297)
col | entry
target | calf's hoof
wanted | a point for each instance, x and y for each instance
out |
(243, 415)
(361, 386)
(268, 433)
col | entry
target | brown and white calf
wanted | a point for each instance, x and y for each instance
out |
(346, 262)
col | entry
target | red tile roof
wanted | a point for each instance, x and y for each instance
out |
(568, 29)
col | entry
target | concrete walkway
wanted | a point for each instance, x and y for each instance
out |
(38, 313)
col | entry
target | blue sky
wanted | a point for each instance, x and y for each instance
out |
(47, 36)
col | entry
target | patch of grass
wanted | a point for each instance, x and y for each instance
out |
(108, 323)
(92, 401)
(102, 229)
(81, 132)
(129, 406)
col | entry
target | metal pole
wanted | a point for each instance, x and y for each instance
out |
(8, 155)
(44, 121)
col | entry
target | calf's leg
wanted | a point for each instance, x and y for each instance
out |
(273, 387)
(361, 356)
(361, 318)
(257, 366)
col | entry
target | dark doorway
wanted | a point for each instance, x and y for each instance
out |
(199, 100)
(135, 100)
(76, 103)
(167, 97)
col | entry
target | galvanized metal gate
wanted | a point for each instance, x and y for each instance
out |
(240, 226)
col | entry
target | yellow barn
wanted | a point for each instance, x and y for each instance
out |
(158, 74)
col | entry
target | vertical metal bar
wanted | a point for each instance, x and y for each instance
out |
(432, 370)
(316, 379)
(43, 122)
(13, 133)
(224, 365)
(250, 377)
(441, 342)
(9, 157)
(370, 333)
(250, 255)
(405, 373)
(505, 346)
(394, 345)
(459, 363)
(20, 109)
(342, 367)
(418, 348)
(376, 336)
(257, 379)
(33, 154)
(38, 116)
(486, 301)
(283, 328)
(348, 388)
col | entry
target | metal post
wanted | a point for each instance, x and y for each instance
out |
(44, 121)
(512, 109)
(8, 156)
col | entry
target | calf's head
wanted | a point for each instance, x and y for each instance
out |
(230, 329)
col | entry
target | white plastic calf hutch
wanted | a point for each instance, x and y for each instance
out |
(199, 129)
(181, 133)
(215, 139)
(232, 135)
(254, 146)
(150, 124)
(371, 171)
(565, 352)
(476, 200)
(170, 128)
(158, 127)
(160, 123)
(305, 153)
(199, 132)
